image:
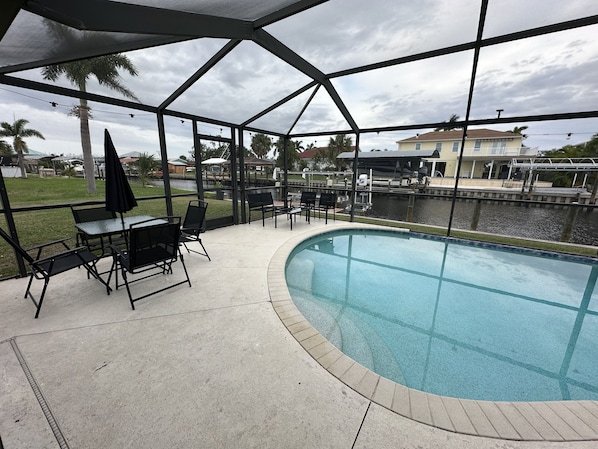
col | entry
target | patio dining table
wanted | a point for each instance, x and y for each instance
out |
(111, 226)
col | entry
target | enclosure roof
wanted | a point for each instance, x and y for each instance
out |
(318, 67)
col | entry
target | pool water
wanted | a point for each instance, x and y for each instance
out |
(453, 318)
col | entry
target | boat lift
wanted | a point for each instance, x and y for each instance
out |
(585, 165)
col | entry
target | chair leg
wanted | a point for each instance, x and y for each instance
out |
(28, 294)
(41, 298)
(29, 285)
(205, 253)
(125, 280)
(204, 250)
(185, 267)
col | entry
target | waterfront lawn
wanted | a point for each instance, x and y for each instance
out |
(35, 227)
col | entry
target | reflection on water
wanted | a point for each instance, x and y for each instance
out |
(497, 218)
(455, 319)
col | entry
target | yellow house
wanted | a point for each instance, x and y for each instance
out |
(487, 153)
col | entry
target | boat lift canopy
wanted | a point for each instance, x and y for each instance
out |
(556, 164)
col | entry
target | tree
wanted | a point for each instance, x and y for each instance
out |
(261, 145)
(105, 70)
(5, 148)
(145, 164)
(18, 132)
(450, 124)
(588, 149)
(337, 145)
(295, 148)
(519, 130)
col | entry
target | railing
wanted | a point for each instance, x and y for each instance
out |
(568, 220)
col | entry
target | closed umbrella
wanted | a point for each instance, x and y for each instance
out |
(119, 196)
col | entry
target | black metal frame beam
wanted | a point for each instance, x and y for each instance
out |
(502, 39)
(101, 15)
(199, 73)
(280, 103)
(288, 11)
(277, 48)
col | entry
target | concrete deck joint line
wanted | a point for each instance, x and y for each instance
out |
(39, 396)
(361, 424)
(556, 421)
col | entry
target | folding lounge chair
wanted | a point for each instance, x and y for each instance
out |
(193, 225)
(153, 246)
(44, 269)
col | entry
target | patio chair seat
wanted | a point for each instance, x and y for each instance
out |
(46, 268)
(327, 201)
(193, 226)
(263, 202)
(152, 248)
(308, 203)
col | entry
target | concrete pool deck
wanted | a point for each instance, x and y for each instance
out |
(227, 363)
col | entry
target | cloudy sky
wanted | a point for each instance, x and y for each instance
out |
(549, 74)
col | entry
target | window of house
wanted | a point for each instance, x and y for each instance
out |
(499, 146)
(418, 146)
(455, 147)
(439, 146)
(477, 145)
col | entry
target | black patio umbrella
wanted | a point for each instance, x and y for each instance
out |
(119, 196)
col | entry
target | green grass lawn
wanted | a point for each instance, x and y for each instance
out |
(36, 227)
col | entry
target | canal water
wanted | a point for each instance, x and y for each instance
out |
(497, 218)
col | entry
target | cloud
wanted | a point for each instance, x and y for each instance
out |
(552, 73)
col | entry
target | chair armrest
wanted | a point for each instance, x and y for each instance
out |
(70, 252)
(41, 246)
(116, 251)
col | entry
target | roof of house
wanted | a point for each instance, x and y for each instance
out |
(389, 154)
(457, 134)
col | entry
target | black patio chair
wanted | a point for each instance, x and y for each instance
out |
(193, 226)
(308, 203)
(153, 246)
(47, 267)
(96, 244)
(263, 202)
(327, 201)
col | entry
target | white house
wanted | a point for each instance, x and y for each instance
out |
(487, 153)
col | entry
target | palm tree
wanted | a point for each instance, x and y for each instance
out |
(337, 145)
(450, 124)
(295, 148)
(519, 130)
(18, 132)
(5, 148)
(261, 145)
(105, 70)
(145, 164)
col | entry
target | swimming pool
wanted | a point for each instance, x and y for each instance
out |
(453, 318)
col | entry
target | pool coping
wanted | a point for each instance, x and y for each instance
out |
(521, 421)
